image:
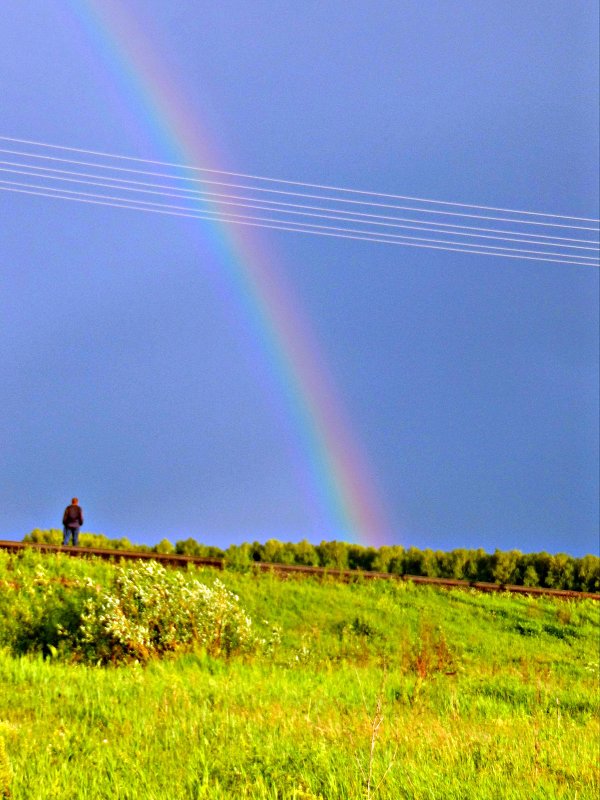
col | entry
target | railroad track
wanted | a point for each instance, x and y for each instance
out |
(176, 560)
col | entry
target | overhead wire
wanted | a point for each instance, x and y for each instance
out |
(303, 194)
(368, 218)
(240, 220)
(337, 217)
(216, 205)
(304, 224)
(292, 183)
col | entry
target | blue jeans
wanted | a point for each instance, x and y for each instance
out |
(67, 535)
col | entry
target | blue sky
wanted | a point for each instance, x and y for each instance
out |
(471, 382)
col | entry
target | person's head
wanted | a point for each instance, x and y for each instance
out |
(74, 501)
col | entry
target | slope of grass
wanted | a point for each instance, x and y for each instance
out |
(375, 690)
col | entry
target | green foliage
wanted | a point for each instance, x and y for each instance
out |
(41, 612)
(333, 554)
(530, 576)
(96, 540)
(561, 572)
(306, 554)
(164, 547)
(50, 536)
(238, 557)
(505, 566)
(558, 571)
(190, 547)
(588, 574)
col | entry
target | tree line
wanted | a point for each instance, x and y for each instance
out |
(552, 571)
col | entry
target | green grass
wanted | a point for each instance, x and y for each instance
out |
(481, 696)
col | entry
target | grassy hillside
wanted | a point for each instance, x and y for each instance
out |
(364, 690)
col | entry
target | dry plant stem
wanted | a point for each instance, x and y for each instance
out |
(387, 769)
(375, 723)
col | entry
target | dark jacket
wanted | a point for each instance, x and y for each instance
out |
(73, 517)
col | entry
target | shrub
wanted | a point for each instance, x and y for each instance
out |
(238, 557)
(150, 611)
(50, 536)
(42, 613)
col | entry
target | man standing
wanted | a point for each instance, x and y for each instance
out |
(72, 522)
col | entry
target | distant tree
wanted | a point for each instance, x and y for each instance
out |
(276, 552)
(472, 568)
(430, 563)
(453, 564)
(421, 562)
(141, 548)
(360, 557)
(587, 578)
(333, 554)
(383, 556)
(527, 572)
(256, 551)
(510, 567)
(505, 565)
(123, 543)
(484, 566)
(541, 562)
(562, 572)
(271, 551)
(238, 557)
(306, 554)
(530, 576)
(164, 547)
(97, 541)
(396, 565)
(413, 561)
(188, 547)
(49, 536)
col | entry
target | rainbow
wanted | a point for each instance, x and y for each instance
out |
(339, 478)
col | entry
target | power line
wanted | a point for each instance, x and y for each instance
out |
(320, 217)
(291, 183)
(513, 221)
(288, 211)
(289, 222)
(366, 218)
(285, 227)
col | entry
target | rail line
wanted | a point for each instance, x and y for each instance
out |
(177, 560)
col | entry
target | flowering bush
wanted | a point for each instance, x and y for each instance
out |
(137, 611)
(150, 611)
